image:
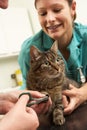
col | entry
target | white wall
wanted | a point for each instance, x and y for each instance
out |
(29, 4)
(82, 11)
(9, 65)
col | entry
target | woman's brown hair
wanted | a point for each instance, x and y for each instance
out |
(69, 2)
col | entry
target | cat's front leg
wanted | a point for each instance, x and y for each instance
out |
(58, 116)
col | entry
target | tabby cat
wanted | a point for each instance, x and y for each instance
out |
(47, 75)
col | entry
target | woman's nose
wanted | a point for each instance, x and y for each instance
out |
(50, 17)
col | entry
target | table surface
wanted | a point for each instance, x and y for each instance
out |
(75, 121)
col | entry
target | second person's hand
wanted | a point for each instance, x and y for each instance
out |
(20, 117)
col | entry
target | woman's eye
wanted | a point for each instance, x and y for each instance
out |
(57, 10)
(42, 13)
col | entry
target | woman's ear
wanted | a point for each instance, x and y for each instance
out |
(73, 10)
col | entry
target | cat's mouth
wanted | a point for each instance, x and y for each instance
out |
(57, 75)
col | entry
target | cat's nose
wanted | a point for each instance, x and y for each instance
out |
(57, 68)
(54, 66)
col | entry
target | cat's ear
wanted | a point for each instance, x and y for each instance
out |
(34, 53)
(55, 46)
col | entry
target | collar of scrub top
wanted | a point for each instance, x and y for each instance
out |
(71, 47)
(33, 101)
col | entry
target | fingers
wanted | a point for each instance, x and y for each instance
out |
(5, 106)
(67, 93)
(65, 101)
(71, 86)
(30, 110)
(70, 92)
(36, 94)
(69, 105)
(22, 102)
(70, 108)
(43, 107)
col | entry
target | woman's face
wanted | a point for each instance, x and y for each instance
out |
(56, 17)
(3, 4)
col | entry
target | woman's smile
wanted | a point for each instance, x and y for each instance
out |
(53, 28)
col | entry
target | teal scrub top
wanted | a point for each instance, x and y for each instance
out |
(77, 48)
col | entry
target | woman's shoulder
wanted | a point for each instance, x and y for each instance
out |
(36, 40)
(80, 32)
(32, 39)
(80, 28)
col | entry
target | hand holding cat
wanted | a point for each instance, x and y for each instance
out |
(76, 97)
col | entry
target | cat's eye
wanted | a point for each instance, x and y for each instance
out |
(57, 59)
(46, 63)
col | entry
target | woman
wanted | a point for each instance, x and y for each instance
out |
(57, 18)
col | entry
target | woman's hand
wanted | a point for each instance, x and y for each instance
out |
(20, 117)
(75, 96)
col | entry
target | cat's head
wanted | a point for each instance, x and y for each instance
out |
(35, 53)
(48, 62)
(47, 65)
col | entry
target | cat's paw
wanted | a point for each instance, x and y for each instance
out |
(60, 120)
(44, 92)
